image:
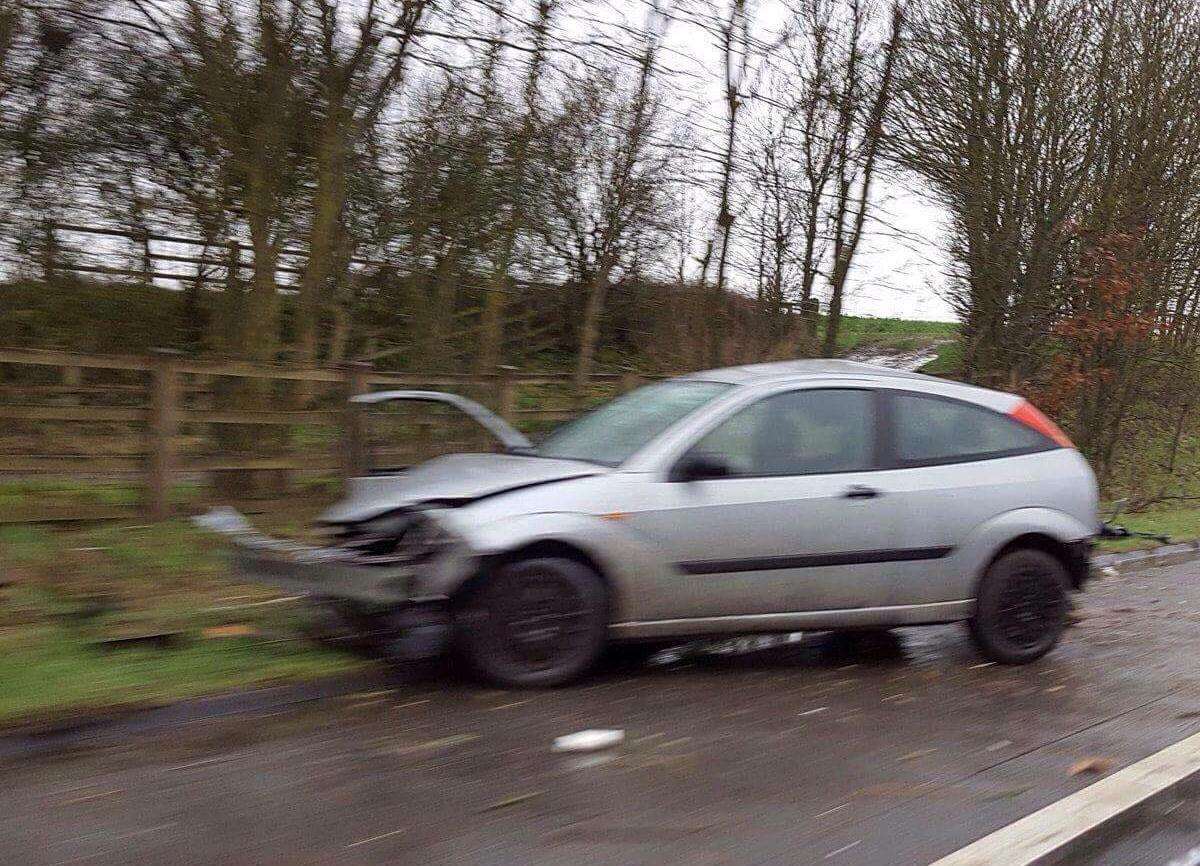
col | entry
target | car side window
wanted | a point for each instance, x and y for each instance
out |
(928, 430)
(804, 432)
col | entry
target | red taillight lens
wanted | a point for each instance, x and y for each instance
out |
(1029, 415)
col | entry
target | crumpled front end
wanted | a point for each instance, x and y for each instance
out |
(373, 572)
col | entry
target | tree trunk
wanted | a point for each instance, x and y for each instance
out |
(833, 315)
(438, 312)
(589, 329)
(495, 301)
(873, 134)
(251, 329)
(1178, 435)
(329, 197)
(491, 337)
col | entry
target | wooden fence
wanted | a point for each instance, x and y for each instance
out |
(156, 420)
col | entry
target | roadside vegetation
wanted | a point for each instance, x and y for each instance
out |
(465, 198)
(124, 615)
(893, 335)
(1181, 522)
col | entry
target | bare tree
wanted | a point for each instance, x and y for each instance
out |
(995, 99)
(792, 156)
(737, 55)
(353, 73)
(492, 324)
(604, 181)
(863, 96)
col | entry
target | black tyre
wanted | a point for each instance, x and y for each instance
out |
(1021, 607)
(534, 623)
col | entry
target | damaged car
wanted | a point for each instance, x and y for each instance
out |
(782, 497)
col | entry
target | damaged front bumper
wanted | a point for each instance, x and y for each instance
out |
(379, 604)
(324, 572)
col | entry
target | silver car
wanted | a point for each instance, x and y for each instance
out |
(766, 498)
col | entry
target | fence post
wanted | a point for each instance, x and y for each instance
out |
(72, 377)
(630, 379)
(162, 427)
(354, 444)
(506, 393)
(810, 311)
(49, 250)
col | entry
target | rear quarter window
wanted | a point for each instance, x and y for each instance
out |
(929, 430)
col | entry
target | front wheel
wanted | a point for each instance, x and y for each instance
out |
(1021, 607)
(534, 623)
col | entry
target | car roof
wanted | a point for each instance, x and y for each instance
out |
(780, 372)
(756, 374)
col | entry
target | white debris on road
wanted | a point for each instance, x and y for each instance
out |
(1191, 858)
(589, 741)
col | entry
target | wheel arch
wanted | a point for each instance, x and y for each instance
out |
(1067, 553)
(554, 548)
(1055, 532)
(630, 566)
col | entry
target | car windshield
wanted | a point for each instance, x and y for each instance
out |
(612, 433)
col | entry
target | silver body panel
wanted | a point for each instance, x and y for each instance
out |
(750, 554)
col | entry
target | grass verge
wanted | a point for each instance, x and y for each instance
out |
(1180, 522)
(51, 672)
(948, 362)
(900, 335)
(66, 592)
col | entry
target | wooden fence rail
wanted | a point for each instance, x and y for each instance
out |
(154, 401)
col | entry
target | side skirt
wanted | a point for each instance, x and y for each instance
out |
(812, 620)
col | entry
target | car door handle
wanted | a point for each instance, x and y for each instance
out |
(861, 491)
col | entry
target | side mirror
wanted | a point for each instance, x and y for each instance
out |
(701, 466)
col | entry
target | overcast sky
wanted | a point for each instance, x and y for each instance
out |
(900, 268)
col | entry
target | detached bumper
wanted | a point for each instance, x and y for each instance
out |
(323, 578)
(325, 573)
(375, 602)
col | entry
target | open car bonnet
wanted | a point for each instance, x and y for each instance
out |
(455, 479)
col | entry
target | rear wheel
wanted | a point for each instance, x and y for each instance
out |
(534, 623)
(1021, 608)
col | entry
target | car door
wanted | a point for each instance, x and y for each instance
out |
(798, 523)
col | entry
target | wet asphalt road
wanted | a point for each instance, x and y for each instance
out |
(820, 752)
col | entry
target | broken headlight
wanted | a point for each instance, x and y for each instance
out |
(425, 538)
(399, 537)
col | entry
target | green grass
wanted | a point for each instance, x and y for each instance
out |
(69, 590)
(1180, 522)
(50, 672)
(16, 494)
(948, 361)
(36, 497)
(859, 332)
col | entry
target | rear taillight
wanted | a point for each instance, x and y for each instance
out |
(1028, 414)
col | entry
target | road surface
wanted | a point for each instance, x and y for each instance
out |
(820, 752)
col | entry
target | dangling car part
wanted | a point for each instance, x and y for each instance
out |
(1110, 529)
